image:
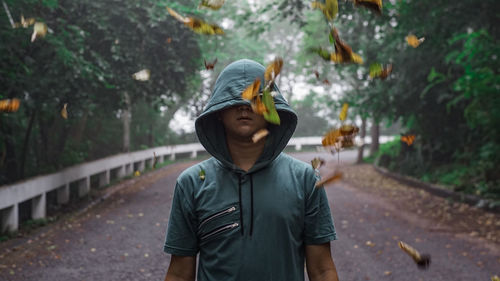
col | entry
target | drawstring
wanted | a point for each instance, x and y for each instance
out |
(251, 204)
(241, 210)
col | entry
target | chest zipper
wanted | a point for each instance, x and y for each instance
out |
(227, 211)
(219, 230)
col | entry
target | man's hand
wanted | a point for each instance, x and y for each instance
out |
(320, 266)
(182, 268)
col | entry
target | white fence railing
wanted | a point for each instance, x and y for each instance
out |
(76, 180)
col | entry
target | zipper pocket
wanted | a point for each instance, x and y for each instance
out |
(219, 230)
(227, 211)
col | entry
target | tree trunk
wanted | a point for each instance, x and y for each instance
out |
(362, 135)
(25, 143)
(126, 116)
(374, 132)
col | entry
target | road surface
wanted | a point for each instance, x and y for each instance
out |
(122, 237)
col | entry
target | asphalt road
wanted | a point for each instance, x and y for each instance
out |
(122, 237)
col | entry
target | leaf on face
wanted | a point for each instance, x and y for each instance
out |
(259, 135)
(251, 91)
(64, 111)
(39, 31)
(374, 5)
(317, 162)
(422, 260)
(142, 75)
(408, 139)
(330, 8)
(258, 106)
(413, 41)
(9, 105)
(210, 65)
(343, 52)
(273, 69)
(343, 112)
(197, 25)
(271, 115)
(212, 4)
(335, 176)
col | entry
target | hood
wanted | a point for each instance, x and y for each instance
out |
(231, 82)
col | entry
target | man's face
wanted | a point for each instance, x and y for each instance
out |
(241, 122)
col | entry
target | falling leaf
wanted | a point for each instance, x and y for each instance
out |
(137, 173)
(323, 53)
(422, 260)
(374, 5)
(271, 115)
(316, 73)
(197, 25)
(64, 111)
(343, 112)
(330, 8)
(39, 31)
(326, 81)
(408, 139)
(155, 160)
(317, 162)
(370, 243)
(202, 174)
(142, 75)
(251, 91)
(273, 69)
(259, 135)
(348, 130)
(210, 65)
(335, 176)
(9, 105)
(25, 23)
(343, 52)
(212, 4)
(331, 137)
(413, 41)
(377, 70)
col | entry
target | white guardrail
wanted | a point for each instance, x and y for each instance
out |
(76, 180)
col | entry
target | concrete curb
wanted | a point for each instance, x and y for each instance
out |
(472, 200)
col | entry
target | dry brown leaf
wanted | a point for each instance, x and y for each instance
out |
(64, 111)
(317, 162)
(422, 260)
(273, 69)
(335, 176)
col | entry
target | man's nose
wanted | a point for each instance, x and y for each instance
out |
(244, 107)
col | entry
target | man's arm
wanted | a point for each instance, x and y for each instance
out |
(182, 268)
(320, 266)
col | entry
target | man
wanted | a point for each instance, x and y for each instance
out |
(251, 211)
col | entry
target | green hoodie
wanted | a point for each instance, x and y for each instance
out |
(247, 225)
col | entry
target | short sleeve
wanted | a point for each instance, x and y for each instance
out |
(181, 238)
(319, 227)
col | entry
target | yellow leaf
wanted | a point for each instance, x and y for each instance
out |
(317, 162)
(273, 69)
(413, 41)
(9, 105)
(329, 8)
(343, 52)
(39, 31)
(212, 4)
(137, 173)
(64, 111)
(251, 91)
(343, 112)
(197, 25)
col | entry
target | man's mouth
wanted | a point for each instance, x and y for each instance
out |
(244, 118)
